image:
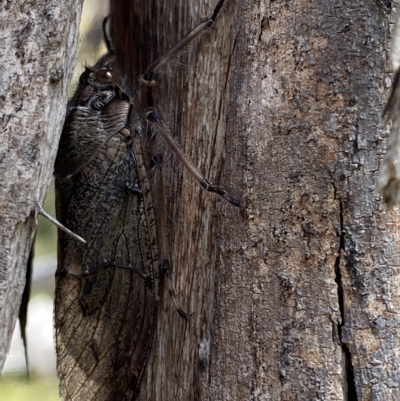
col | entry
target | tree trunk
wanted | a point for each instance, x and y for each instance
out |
(38, 53)
(295, 297)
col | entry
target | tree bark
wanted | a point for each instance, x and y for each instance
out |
(38, 52)
(295, 297)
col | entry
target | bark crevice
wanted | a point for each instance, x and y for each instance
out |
(348, 374)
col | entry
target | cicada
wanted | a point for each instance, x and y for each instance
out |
(107, 289)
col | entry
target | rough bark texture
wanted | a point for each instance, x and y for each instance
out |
(297, 298)
(38, 44)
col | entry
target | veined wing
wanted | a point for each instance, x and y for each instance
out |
(105, 307)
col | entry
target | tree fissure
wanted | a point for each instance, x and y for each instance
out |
(348, 374)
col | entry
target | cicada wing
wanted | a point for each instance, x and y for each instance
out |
(105, 305)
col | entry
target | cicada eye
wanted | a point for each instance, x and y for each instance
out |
(85, 76)
(108, 75)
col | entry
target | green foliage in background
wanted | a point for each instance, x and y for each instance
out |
(17, 388)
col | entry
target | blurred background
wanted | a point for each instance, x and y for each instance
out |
(42, 384)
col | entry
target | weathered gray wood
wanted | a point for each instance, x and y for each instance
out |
(297, 298)
(38, 48)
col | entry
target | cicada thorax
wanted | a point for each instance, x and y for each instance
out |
(99, 110)
(107, 284)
